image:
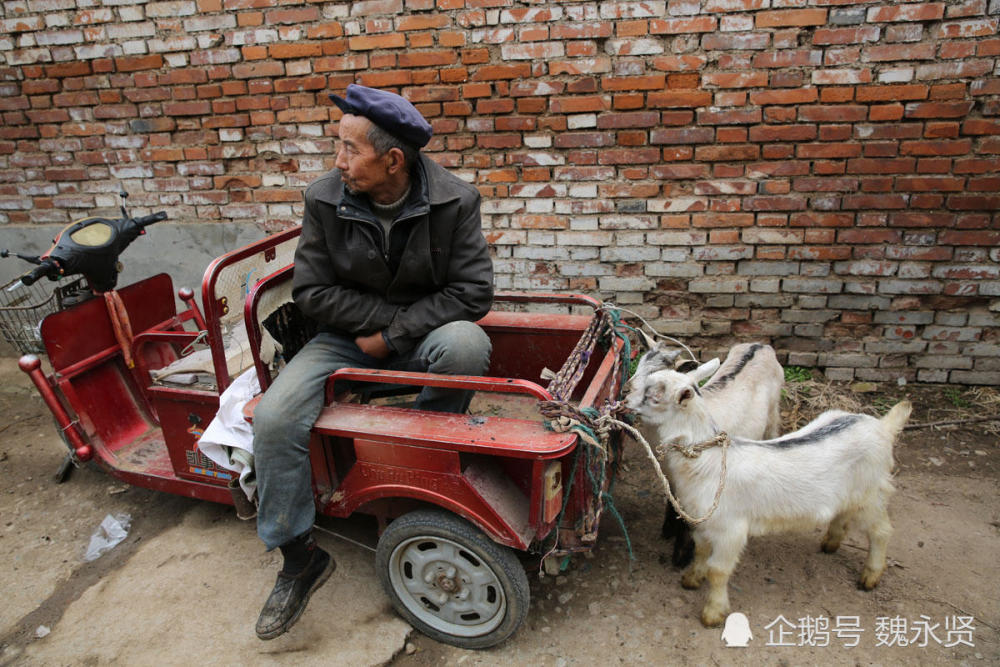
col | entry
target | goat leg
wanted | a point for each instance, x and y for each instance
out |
(835, 532)
(674, 527)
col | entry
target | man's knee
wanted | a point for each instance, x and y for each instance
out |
(463, 348)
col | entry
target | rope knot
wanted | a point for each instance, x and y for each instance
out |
(694, 450)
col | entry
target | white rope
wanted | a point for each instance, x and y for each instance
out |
(690, 451)
(656, 333)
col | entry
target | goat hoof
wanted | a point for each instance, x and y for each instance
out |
(829, 547)
(692, 581)
(869, 579)
(712, 617)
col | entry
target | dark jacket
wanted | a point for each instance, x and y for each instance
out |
(433, 269)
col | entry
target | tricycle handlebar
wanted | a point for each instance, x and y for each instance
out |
(468, 382)
(147, 220)
(45, 269)
(546, 297)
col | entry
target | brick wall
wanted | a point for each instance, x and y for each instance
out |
(822, 175)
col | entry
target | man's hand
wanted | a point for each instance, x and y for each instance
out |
(373, 345)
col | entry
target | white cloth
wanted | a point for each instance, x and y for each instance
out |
(228, 440)
(239, 357)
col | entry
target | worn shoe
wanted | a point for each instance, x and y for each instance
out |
(291, 593)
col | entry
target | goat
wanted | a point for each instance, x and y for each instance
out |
(743, 397)
(835, 470)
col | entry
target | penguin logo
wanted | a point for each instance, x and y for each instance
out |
(737, 632)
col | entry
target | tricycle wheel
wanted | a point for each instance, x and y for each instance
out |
(450, 581)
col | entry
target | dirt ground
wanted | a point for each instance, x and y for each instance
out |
(186, 585)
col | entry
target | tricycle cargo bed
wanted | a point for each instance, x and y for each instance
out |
(500, 436)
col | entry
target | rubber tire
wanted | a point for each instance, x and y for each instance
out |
(500, 560)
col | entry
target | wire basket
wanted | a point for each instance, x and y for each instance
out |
(23, 309)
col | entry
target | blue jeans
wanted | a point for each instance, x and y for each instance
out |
(290, 406)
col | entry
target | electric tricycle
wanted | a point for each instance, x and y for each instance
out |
(460, 500)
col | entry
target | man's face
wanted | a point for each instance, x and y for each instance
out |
(360, 168)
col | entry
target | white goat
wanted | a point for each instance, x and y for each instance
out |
(835, 470)
(743, 398)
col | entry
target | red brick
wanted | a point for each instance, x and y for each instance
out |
(874, 202)
(930, 184)
(649, 82)
(974, 203)
(675, 99)
(938, 109)
(593, 30)
(787, 59)
(772, 133)
(980, 126)
(626, 120)
(844, 113)
(324, 30)
(109, 111)
(584, 139)
(532, 105)
(422, 22)
(258, 70)
(789, 18)
(689, 135)
(298, 15)
(628, 101)
(816, 219)
(868, 236)
(957, 147)
(428, 59)
(881, 166)
(970, 238)
(796, 96)
(301, 50)
(885, 112)
(679, 63)
(682, 25)
(501, 72)
(393, 40)
(893, 93)
(136, 63)
(926, 12)
(80, 98)
(837, 95)
(683, 81)
(722, 220)
(736, 79)
(632, 28)
(585, 104)
(729, 117)
(889, 52)
(836, 36)
(200, 108)
(727, 152)
(820, 253)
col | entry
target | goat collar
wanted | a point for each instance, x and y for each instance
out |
(694, 450)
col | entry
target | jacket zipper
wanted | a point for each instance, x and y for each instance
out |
(383, 234)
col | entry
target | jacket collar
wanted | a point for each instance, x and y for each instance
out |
(431, 190)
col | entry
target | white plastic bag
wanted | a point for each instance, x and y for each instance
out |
(111, 532)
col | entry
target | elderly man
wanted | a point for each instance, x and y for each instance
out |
(393, 266)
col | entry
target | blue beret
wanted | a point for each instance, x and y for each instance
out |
(392, 113)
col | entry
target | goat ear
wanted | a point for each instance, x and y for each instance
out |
(654, 393)
(650, 341)
(685, 395)
(705, 371)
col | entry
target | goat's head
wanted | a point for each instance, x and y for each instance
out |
(658, 357)
(659, 394)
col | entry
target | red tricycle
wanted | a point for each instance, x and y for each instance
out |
(456, 497)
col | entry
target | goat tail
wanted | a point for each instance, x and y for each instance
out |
(896, 418)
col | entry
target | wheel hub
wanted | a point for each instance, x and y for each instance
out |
(447, 584)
